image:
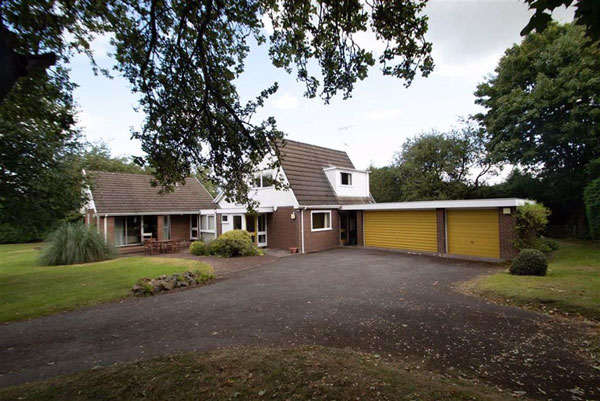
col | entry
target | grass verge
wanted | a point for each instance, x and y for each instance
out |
(255, 374)
(570, 287)
(28, 289)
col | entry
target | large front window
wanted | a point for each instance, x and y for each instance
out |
(320, 221)
(128, 230)
(207, 227)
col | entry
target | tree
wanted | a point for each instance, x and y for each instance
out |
(40, 169)
(435, 165)
(587, 14)
(542, 113)
(97, 157)
(183, 58)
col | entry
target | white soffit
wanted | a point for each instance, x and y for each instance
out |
(442, 204)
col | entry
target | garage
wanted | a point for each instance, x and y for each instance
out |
(473, 232)
(412, 230)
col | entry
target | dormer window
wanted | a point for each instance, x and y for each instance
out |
(264, 179)
(346, 179)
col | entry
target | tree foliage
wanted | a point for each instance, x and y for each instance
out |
(587, 14)
(40, 169)
(542, 111)
(592, 207)
(434, 165)
(183, 58)
(97, 157)
(532, 219)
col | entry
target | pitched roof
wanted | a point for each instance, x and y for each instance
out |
(303, 166)
(132, 193)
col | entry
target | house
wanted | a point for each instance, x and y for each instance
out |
(326, 203)
(127, 209)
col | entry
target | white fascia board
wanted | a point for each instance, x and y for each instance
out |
(321, 207)
(243, 210)
(345, 169)
(296, 204)
(445, 204)
(219, 197)
(150, 213)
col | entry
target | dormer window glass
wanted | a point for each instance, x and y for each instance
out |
(346, 179)
(264, 179)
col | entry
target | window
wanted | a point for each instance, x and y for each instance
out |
(346, 178)
(224, 218)
(264, 179)
(166, 227)
(207, 227)
(128, 230)
(320, 221)
(193, 226)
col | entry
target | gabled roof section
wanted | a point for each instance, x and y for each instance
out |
(303, 166)
(115, 193)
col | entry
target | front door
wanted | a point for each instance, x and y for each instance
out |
(262, 230)
(251, 226)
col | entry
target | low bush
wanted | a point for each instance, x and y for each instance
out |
(531, 222)
(199, 248)
(73, 243)
(529, 262)
(591, 196)
(234, 243)
(546, 245)
(12, 234)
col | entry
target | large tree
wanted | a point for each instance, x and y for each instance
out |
(543, 112)
(435, 165)
(40, 165)
(183, 58)
(97, 157)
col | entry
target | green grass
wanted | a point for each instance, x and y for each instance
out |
(571, 286)
(305, 373)
(28, 289)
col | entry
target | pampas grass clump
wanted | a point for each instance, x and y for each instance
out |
(74, 243)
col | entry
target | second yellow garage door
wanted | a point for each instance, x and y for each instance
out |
(473, 233)
(408, 230)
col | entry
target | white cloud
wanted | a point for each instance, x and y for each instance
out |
(286, 102)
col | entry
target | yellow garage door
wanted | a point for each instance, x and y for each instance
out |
(473, 233)
(408, 230)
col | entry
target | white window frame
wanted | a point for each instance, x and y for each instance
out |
(260, 174)
(201, 230)
(351, 181)
(312, 212)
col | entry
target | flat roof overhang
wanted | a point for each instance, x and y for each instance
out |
(442, 204)
(242, 210)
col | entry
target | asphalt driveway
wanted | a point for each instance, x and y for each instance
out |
(398, 306)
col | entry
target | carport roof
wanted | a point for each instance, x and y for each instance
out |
(442, 204)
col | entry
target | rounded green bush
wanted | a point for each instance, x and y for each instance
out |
(546, 245)
(529, 262)
(234, 243)
(198, 248)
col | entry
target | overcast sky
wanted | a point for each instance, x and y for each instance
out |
(468, 39)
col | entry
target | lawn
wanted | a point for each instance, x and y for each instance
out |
(571, 286)
(259, 374)
(28, 289)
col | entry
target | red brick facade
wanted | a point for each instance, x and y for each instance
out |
(282, 230)
(360, 230)
(507, 224)
(321, 240)
(441, 230)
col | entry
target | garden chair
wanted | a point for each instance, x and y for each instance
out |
(174, 246)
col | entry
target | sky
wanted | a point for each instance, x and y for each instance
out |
(468, 36)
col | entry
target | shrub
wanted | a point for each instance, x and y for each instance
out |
(531, 221)
(11, 234)
(73, 243)
(529, 262)
(546, 245)
(198, 248)
(591, 197)
(234, 243)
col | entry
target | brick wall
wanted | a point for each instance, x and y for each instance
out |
(180, 227)
(282, 231)
(219, 225)
(441, 230)
(110, 228)
(507, 223)
(321, 240)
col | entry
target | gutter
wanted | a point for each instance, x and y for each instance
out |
(302, 229)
